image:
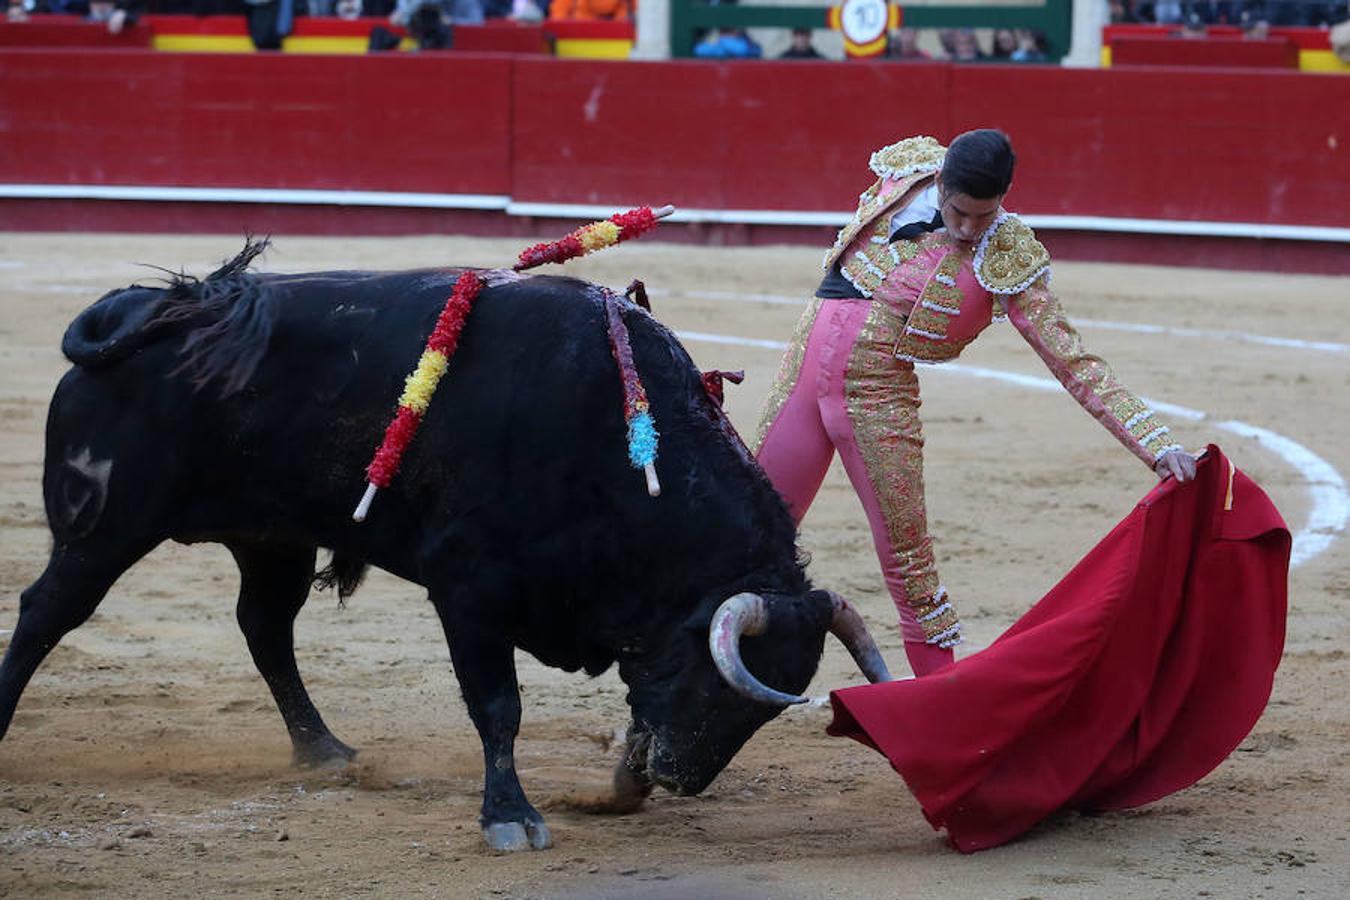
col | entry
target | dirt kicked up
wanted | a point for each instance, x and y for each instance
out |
(146, 758)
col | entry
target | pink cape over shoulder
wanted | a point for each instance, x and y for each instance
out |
(1133, 678)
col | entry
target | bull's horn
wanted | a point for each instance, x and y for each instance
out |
(849, 627)
(738, 615)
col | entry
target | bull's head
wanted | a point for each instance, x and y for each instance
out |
(693, 709)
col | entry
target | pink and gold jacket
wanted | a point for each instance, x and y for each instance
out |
(947, 294)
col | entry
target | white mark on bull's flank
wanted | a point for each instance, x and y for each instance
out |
(1327, 489)
(591, 108)
(90, 470)
(97, 471)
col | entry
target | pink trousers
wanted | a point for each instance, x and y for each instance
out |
(840, 388)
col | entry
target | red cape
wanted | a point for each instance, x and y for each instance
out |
(1133, 678)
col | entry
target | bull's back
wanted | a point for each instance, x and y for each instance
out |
(530, 392)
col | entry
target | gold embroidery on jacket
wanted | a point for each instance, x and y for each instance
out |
(1009, 258)
(907, 157)
(925, 339)
(868, 268)
(871, 206)
(1059, 343)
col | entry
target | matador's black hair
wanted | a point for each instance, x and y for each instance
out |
(979, 164)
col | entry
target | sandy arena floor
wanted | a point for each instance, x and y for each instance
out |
(147, 760)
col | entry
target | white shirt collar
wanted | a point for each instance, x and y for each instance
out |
(921, 209)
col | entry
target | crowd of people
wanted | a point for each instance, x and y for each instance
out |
(963, 45)
(955, 44)
(1246, 13)
(454, 10)
(428, 22)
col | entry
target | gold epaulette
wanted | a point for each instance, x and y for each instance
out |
(1009, 259)
(908, 157)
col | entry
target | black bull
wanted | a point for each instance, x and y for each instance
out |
(243, 409)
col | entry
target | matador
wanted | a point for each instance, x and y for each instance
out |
(927, 262)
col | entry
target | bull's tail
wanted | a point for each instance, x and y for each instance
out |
(113, 328)
(344, 571)
(226, 321)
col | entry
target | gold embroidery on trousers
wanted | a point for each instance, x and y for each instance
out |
(788, 371)
(882, 399)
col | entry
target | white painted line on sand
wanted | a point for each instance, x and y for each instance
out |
(1330, 499)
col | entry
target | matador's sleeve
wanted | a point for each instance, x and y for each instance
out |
(1038, 316)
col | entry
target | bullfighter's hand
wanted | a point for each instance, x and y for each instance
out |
(1176, 464)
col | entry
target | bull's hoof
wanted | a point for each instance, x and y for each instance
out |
(508, 837)
(323, 753)
(630, 790)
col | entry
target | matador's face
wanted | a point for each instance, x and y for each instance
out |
(967, 217)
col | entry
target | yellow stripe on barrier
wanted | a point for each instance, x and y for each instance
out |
(326, 44)
(203, 43)
(593, 48)
(1321, 61)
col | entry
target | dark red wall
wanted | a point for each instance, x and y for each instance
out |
(392, 122)
(1187, 144)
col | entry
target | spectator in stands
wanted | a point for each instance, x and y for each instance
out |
(428, 28)
(1340, 37)
(1216, 12)
(1168, 12)
(728, 43)
(1193, 28)
(966, 47)
(591, 9)
(903, 43)
(1005, 42)
(269, 21)
(122, 14)
(529, 10)
(1030, 46)
(450, 12)
(801, 47)
(1123, 12)
(947, 38)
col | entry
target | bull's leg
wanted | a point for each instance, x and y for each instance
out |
(485, 666)
(274, 584)
(76, 580)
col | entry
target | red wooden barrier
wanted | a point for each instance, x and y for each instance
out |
(1168, 143)
(66, 31)
(493, 36)
(768, 135)
(1145, 143)
(387, 122)
(1203, 145)
(1271, 53)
